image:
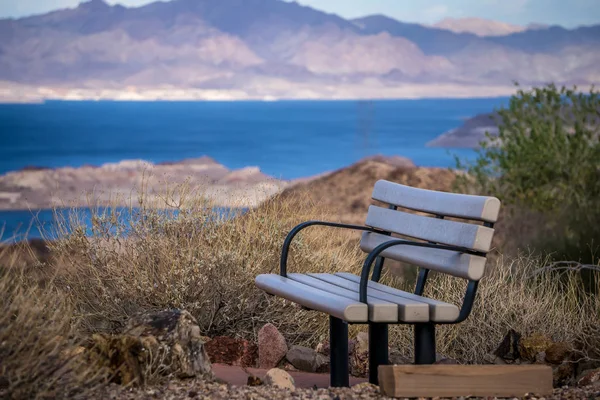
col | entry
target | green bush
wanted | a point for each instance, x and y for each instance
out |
(545, 164)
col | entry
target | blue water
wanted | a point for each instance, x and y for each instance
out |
(51, 224)
(286, 139)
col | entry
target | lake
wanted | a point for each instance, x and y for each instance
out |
(286, 139)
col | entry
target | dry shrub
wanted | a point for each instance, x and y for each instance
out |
(38, 342)
(194, 260)
(152, 259)
(520, 294)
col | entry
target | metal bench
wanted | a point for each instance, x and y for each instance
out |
(451, 247)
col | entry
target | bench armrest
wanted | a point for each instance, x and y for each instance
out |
(366, 270)
(298, 228)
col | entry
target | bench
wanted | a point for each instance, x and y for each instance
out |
(457, 248)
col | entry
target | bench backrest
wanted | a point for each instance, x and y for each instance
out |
(468, 234)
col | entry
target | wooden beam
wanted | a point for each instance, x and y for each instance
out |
(464, 380)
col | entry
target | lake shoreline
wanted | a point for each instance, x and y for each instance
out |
(121, 184)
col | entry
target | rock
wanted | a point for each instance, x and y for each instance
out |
(271, 346)
(286, 366)
(359, 358)
(563, 374)
(509, 347)
(589, 377)
(323, 348)
(323, 364)
(531, 345)
(166, 342)
(226, 350)
(303, 358)
(396, 358)
(558, 352)
(279, 378)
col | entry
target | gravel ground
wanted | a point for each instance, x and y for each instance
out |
(210, 390)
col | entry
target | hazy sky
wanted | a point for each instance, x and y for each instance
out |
(568, 13)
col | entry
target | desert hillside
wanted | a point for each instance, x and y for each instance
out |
(347, 192)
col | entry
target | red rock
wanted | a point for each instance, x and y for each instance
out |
(226, 350)
(271, 347)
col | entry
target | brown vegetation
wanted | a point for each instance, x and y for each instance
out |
(207, 265)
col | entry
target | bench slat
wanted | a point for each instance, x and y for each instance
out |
(315, 299)
(409, 310)
(379, 310)
(452, 233)
(480, 208)
(439, 311)
(454, 263)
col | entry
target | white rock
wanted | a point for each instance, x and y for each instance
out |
(280, 378)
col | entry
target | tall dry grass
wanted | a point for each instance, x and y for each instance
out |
(39, 341)
(195, 260)
(206, 264)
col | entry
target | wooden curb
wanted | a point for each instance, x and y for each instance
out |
(464, 380)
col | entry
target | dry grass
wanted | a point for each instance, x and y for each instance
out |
(38, 340)
(207, 265)
(197, 262)
(514, 295)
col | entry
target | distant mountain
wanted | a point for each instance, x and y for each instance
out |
(479, 26)
(277, 47)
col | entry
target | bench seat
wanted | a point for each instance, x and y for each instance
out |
(338, 295)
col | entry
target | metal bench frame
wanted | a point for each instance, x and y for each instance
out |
(424, 333)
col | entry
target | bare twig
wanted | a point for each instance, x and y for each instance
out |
(566, 266)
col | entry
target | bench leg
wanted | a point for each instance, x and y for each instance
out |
(424, 343)
(338, 343)
(378, 349)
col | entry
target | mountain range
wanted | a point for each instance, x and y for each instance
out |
(275, 46)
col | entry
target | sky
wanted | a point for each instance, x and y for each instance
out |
(569, 13)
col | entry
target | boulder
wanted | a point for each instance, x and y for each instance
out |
(279, 378)
(164, 343)
(531, 345)
(307, 359)
(227, 350)
(303, 358)
(272, 347)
